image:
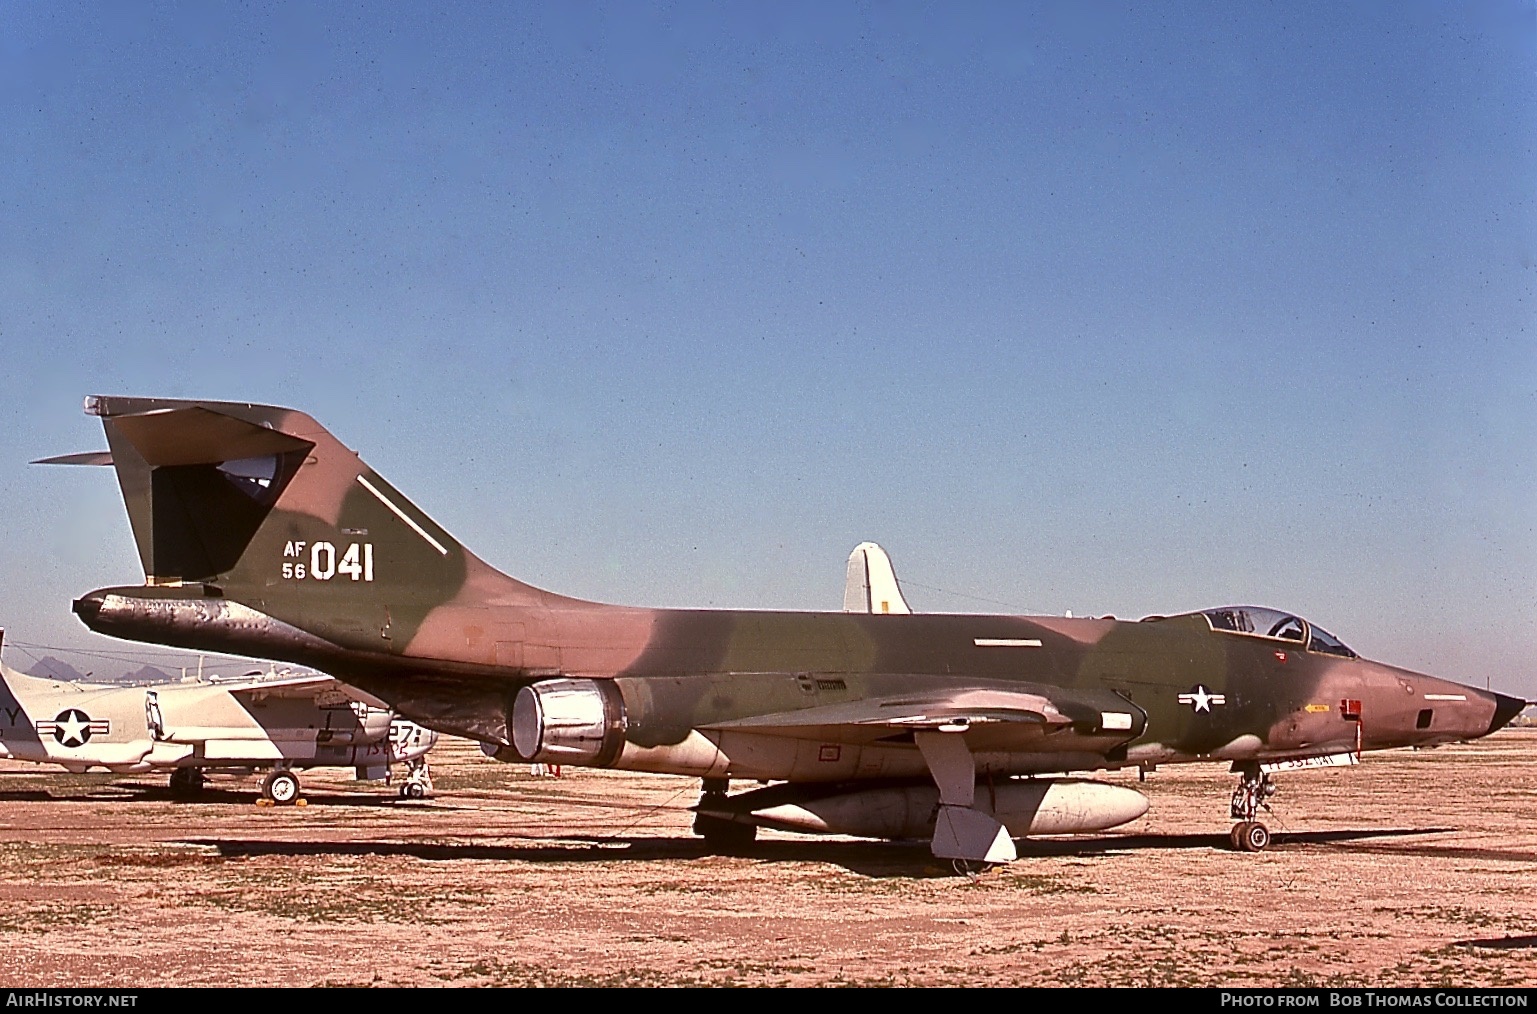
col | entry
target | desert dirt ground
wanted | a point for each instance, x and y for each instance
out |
(1411, 869)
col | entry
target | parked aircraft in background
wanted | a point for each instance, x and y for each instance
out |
(261, 534)
(274, 724)
(872, 586)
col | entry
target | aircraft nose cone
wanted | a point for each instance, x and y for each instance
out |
(87, 607)
(1505, 708)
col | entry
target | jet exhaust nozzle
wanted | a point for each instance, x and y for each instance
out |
(195, 617)
(88, 607)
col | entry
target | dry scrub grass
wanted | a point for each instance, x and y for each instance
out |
(1414, 869)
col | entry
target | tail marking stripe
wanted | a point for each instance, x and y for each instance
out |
(402, 515)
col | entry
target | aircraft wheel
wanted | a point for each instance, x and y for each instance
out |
(414, 791)
(971, 867)
(282, 787)
(724, 835)
(186, 782)
(1256, 837)
(1236, 833)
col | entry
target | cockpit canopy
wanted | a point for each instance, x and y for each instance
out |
(1261, 622)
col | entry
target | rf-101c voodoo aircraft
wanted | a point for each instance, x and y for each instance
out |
(277, 725)
(261, 534)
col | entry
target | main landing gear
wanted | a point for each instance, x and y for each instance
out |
(281, 787)
(719, 833)
(1252, 795)
(186, 782)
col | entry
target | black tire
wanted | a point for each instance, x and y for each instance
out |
(724, 835)
(1256, 837)
(415, 791)
(186, 782)
(282, 787)
(1236, 833)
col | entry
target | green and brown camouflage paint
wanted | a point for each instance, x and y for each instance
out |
(261, 534)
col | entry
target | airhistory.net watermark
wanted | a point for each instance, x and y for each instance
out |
(53, 998)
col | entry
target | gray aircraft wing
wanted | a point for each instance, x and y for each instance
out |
(323, 689)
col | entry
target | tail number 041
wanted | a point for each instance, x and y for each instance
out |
(322, 561)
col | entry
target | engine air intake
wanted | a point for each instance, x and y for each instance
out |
(568, 721)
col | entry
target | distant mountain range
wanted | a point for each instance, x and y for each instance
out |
(58, 669)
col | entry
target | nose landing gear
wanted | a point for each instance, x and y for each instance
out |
(1252, 794)
(418, 783)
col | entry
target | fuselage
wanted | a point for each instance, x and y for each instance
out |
(1195, 692)
(262, 534)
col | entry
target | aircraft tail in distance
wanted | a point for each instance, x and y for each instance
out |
(872, 583)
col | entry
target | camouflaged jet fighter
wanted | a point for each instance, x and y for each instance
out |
(261, 534)
(277, 725)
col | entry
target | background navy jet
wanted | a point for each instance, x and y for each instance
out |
(277, 725)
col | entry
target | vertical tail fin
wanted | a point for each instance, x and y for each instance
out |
(222, 492)
(872, 586)
(262, 506)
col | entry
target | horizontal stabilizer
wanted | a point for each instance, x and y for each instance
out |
(83, 458)
(198, 436)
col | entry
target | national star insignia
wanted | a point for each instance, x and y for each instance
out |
(73, 727)
(1202, 699)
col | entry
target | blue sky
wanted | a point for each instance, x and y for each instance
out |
(1106, 308)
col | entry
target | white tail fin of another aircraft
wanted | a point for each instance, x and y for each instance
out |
(872, 583)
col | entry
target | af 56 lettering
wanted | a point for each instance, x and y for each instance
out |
(322, 561)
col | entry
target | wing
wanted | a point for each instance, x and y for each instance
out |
(322, 689)
(1025, 718)
(83, 458)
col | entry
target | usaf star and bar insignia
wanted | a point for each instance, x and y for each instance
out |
(1202, 699)
(74, 727)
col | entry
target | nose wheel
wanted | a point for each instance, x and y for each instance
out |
(418, 783)
(1249, 836)
(1252, 795)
